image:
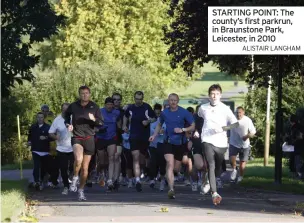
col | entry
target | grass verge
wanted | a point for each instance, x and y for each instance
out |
(260, 177)
(28, 164)
(13, 196)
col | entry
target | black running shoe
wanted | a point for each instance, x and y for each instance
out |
(116, 185)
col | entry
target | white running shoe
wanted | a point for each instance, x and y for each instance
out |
(65, 191)
(73, 186)
(205, 188)
(142, 176)
(233, 175)
(81, 196)
(162, 185)
(194, 186)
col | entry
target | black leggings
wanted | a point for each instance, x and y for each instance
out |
(64, 161)
(214, 156)
(41, 166)
(157, 161)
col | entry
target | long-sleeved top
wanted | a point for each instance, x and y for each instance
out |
(215, 117)
(35, 132)
(83, 126)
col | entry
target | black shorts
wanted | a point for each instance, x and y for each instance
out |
(87, 144)
(141, 145)
(197, 146)
(102, 144)
(177, 150)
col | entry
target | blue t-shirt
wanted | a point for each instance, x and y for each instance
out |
(160, 137)
(125, 140)
(138, 114)
(176, 119)
(110, 124)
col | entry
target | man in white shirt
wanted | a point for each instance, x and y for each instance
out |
(65, 156)
(216, 115)
(240, 143)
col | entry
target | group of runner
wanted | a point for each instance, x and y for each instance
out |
(128, 141)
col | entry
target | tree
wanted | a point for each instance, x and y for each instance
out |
(23, 23)
(255, 105)
(188, 40)
(187, 37)
(56, 86)
(129, 30)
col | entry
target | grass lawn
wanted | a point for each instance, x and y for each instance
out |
(239, 100)
(28, 164)
(12, 198)
(260, 177)
(199, 88)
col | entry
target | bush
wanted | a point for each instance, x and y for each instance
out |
(54, 87)
(255, 105)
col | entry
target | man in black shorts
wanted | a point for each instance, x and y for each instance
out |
(141, 115)
(85, 116)
(175, 118)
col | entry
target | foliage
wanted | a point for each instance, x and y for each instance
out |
(255, 105)
(128, 30)
(23, 23)
(56, 86)
(187, 37)
(103, 79)
(12, 198)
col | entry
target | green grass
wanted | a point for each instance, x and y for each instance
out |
(239, 100)
(12, 198)
(28, 164)
(199, 88)
(260, 177)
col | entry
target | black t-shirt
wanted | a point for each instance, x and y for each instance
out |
(138, 114)
(83, 126)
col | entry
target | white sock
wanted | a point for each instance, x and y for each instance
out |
(137, 179)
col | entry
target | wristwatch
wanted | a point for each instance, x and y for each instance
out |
(183, 130)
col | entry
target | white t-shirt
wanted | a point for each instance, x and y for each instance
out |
(246, 126)
(215, 117)
(64, 143)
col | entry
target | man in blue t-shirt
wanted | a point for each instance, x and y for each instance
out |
(140, 115)
(175, 118)
(106, 139)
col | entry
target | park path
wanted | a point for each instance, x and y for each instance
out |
(127, 205)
